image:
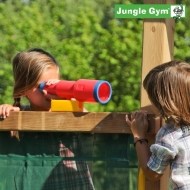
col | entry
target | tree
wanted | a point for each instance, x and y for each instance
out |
(86, 39)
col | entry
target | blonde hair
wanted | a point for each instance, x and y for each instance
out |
(168, 88)
(27, 69)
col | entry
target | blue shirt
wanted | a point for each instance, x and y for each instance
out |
(172, 147)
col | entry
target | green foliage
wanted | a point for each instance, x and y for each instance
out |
(87, 42)
(85, 39)
(182, 36)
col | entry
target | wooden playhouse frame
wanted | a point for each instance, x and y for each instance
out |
(158, 46)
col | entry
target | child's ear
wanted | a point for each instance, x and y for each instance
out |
(27, 93)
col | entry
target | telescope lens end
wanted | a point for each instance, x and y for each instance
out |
(102, 92)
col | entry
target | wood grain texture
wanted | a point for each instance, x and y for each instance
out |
(94, 122)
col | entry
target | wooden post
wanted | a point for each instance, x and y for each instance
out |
(158, 43)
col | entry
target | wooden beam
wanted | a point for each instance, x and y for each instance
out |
(158, 45)
(100, 122)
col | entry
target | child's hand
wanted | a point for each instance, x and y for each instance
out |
(51, 96)
(52, 81)
(5, 110)
(138, 124)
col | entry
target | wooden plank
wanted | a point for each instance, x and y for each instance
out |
(158, 45)
(94, 122)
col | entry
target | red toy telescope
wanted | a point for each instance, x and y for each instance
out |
(83, 90)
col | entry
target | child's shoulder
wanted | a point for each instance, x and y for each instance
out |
(170, 131)
(168, 128)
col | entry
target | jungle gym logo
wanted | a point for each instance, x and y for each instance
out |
(149, 11)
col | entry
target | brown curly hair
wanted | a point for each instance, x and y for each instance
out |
(168, 88)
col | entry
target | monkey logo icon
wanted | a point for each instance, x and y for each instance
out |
(177, 12)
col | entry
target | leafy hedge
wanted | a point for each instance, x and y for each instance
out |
(85, 39)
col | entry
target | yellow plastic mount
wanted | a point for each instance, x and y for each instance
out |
(66, 105)
(141, 180)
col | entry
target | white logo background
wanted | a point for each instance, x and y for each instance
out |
(177, 10)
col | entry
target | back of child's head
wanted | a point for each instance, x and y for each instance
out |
(28, 67)
(168, 88)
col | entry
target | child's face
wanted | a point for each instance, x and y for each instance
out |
(40, 101)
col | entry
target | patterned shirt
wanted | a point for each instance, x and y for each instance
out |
(172, 147)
